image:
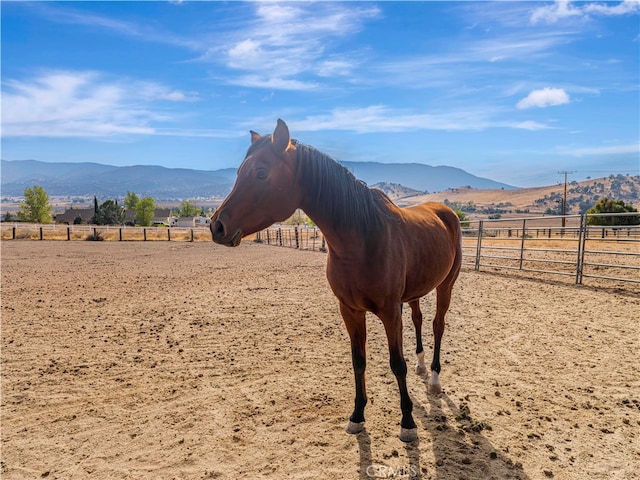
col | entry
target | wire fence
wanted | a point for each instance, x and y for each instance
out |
(32, 231)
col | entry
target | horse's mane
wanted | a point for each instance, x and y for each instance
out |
(349, 202)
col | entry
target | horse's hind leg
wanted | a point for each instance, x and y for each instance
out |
(416, 317)
(355, 321)
(392, 321)
(443, 299)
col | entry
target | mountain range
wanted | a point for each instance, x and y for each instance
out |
(161, 183)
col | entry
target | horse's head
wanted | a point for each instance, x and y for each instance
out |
(265, 191)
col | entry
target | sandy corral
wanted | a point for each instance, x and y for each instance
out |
(127, 360)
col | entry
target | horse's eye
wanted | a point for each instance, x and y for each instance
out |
(262, 174)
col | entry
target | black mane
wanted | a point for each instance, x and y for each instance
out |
(347, 201)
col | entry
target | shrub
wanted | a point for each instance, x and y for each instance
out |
(95, 236)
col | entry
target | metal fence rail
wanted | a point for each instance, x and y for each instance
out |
(565, 246)
(568, 246)
(304, 238)
(553, 245)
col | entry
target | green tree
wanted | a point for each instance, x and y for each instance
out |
(464, 219)
(144, 211)
(36, 207)
(109, 213)
(606, 205)
(189, 209)
(131, 201)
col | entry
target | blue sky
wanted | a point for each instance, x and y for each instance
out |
(513, 91)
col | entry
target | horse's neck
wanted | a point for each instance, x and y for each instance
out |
(344, 209)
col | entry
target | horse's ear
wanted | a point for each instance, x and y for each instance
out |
(254, 136)
(281, 137)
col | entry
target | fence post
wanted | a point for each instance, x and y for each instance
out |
(68, 233)
(268, 237)
(581, 240)
(524, 226)
(297, 238)
(479, 245)
(120, 233)
(192, 234)
(40, 233)
(13, 233)
(280, 236)
(323, 248)
(144, 232)
(168, 234)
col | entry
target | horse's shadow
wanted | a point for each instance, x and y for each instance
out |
(368, 469)
(458, 450)
(364, 444)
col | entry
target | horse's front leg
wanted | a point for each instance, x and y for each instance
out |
(392, 320)
(416, 317)
(355, 322)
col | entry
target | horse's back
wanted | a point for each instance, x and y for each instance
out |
(434, 215)
(433, 245)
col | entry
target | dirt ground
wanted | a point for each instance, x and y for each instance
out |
(134, 360)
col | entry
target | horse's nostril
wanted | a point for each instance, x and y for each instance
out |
(218, 228)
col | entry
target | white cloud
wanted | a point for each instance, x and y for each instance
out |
(243, 53)
(83, 104)
(144, 32)
(381, 118)
(375, 118)
(563, 9)
(272, 83)
(278, 13)
(287, 44)
(530, 125)
(545, 97)
(330, 68)
(626, 7)
(178, 96)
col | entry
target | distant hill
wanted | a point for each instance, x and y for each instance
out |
(107, 181)
(580, 196)
(395, 191)
(419, 176)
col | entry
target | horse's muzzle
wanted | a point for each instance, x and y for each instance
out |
(220, 235)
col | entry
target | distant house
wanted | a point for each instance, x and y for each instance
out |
(160, 216)
(74, 216)
(187, 222)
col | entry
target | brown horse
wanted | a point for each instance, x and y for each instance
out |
(379, 255)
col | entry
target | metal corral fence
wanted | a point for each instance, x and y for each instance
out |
(304, 238)
(565, 246)
(31, 231)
